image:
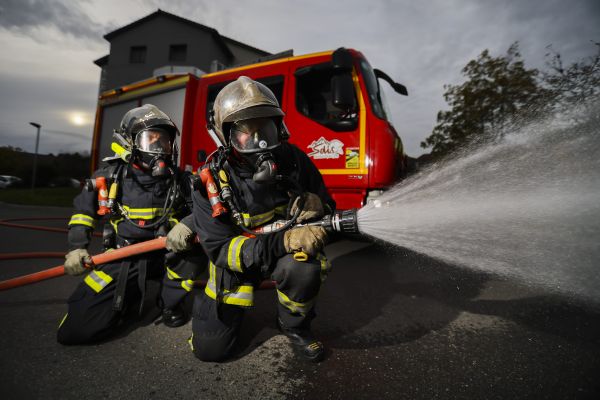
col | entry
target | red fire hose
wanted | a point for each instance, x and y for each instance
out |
(103, 258)
(123, 252)
(10, 223)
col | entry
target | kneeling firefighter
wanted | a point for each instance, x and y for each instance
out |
(143, 195)
(254, 178)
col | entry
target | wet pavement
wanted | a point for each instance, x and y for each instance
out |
(397, 324)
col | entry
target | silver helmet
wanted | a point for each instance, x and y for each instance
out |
(244, 99)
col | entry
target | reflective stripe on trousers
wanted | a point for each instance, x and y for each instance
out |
(97, 280)
(242, 295)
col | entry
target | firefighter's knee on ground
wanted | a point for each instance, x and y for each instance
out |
(214, 332)
(210, 349)
(69, 335)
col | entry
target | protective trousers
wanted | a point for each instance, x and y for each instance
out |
(215, 326)
(181, 271)
(100, 304)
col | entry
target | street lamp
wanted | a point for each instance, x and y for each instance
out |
(37, 143)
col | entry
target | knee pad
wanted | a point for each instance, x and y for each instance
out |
(298, 274)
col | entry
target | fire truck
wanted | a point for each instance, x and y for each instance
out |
(333, 105)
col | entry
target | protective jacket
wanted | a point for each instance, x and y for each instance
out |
(239, 262)
(142, 197)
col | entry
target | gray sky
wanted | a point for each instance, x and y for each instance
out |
(47, 73)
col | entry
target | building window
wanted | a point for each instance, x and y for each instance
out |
(177, 52)
(137, 54)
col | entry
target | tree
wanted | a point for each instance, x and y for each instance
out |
(576, 83)
(496, 88)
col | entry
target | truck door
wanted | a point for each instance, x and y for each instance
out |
(333, 138)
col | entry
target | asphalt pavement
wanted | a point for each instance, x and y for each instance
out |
(397, 325)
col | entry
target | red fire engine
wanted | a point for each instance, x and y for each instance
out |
(333, 110)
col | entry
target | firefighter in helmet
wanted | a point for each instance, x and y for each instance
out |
(259, 178)
(147, 197)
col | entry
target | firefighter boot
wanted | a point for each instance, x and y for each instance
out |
(303, 342)
(173, 317)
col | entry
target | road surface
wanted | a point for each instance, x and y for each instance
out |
(397, 325)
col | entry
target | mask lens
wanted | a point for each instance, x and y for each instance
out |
(254, 135)
(155, 141)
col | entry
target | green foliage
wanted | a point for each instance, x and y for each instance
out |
(61, 197)
(496, 87)
(576, 83)
(16, 162)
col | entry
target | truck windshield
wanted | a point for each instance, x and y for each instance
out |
(378, 103)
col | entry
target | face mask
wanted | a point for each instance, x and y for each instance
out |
(157, 164)
(265, 168)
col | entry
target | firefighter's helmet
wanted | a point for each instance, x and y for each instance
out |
(146, 129)
(241, 100)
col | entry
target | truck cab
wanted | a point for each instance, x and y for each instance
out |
(334, 112)
(333, 105)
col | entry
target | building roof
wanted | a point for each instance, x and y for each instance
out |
(230, 40)
(102, 61)
(160, 13)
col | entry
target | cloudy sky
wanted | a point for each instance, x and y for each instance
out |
(47, 47)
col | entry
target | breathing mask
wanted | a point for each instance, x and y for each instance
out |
(253, 140)
(154, 150)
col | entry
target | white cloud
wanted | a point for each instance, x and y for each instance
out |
(421, 44)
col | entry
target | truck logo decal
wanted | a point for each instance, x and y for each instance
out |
(323, 148)
(352, 160)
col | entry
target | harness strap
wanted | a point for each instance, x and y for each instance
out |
(119, 296)
(142, 271)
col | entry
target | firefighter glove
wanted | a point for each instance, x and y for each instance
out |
(313, 207)
(74, 261)
(179, 238)
(308, 239)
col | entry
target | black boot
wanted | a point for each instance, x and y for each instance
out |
(303, 342)
(173, 317)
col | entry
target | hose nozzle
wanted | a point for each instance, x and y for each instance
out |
(340, 221)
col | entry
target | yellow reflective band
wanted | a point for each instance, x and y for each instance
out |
(172, 275)
(281, 210)
(315, 345)
(256, 220)
(115, 223)
(98, 280)
(143, 213)
(62, 321)
(239, 296)
(188, 285)
(191, 342)
(82, 219)
(173, 222)
(233, 257)
(294, 306)
(325, 266)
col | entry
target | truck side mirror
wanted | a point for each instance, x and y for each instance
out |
(398, 87)
(342, 60)
(342, 92)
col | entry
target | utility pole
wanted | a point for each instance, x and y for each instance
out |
(37, 143)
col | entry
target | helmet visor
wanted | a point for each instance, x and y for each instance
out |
(155, 141)
(255, 135)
